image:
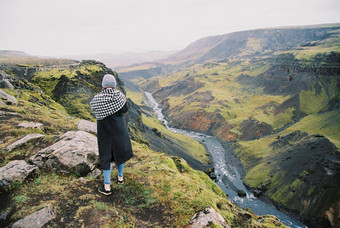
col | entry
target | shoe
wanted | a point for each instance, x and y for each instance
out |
(120, 180)
(102, 190)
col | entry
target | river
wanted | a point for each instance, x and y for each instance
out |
(228, 177)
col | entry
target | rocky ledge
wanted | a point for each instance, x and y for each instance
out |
(16, 171)
(37, 219)
(75, 152)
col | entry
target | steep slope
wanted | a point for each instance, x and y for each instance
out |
(244, 86)
(248, 44)
(150, 196)
(160, 139)
(299, 167)
(74, 85)
(225, 99)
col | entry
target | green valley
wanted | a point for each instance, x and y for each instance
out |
(274, 93)
(50, 102)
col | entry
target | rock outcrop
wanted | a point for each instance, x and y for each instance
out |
(4, 80)
(6, 84)
(37, 219)
(30, 125)
(252, 128)
(201, 121)
(207, 217)
(8, 99)
(16, 171)
(75, 152)
(23, 141)
(88, 126)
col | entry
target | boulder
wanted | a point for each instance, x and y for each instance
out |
(209, 171)
(75, 152)
(88, 126)
(207, 217)
(213, 176)
(30, 125)
(23, 141)
(241, 193)
(5, 83)
(8, 99)
(16, 171)
(95, 173)
(257, 193)
(2, 113)
(37, 219)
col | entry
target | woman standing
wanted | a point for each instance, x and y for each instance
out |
(113, 138)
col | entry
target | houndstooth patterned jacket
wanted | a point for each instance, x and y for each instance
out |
(107, 102)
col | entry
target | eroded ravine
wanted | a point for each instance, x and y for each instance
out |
(228, 177)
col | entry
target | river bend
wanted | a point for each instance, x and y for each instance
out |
(228, 177)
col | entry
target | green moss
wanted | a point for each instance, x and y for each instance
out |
(283, 118)
(259, 174)
(311, 189)
(155, 184)
(285, 192)
(259, 158)
(311, 102)
(33, 106)
(136, 97)
(193, 148)
(72, 87)
(20, 199)
(214, 225)
(331, 44)
(327, 124)
(234, 101)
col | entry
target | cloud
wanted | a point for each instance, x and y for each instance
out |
(57, 27)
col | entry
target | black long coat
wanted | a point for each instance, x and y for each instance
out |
(113, 139)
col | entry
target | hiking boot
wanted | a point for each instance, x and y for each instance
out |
(120, 180)
(102, 190)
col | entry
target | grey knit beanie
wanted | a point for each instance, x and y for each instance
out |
(109, 81)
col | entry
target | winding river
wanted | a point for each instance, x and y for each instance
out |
(228, 177)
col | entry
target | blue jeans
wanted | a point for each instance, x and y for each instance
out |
(107, 173)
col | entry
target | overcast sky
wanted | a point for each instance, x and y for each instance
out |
(63, 27)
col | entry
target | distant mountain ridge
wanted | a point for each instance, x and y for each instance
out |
(251, 44)
(12, 53)
(117, 61)
(247, 44)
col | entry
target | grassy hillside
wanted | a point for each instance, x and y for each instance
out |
(263, 42)
(163, 140)
(159, 190)
(276, 93)
(33, 106)
(160, 201)
(298, 167)
(73, 87)
(273, 91)
(22, 59)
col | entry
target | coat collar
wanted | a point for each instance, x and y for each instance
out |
(108, 90)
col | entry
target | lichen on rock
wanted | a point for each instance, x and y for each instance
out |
(16, 171)
(75, 152)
